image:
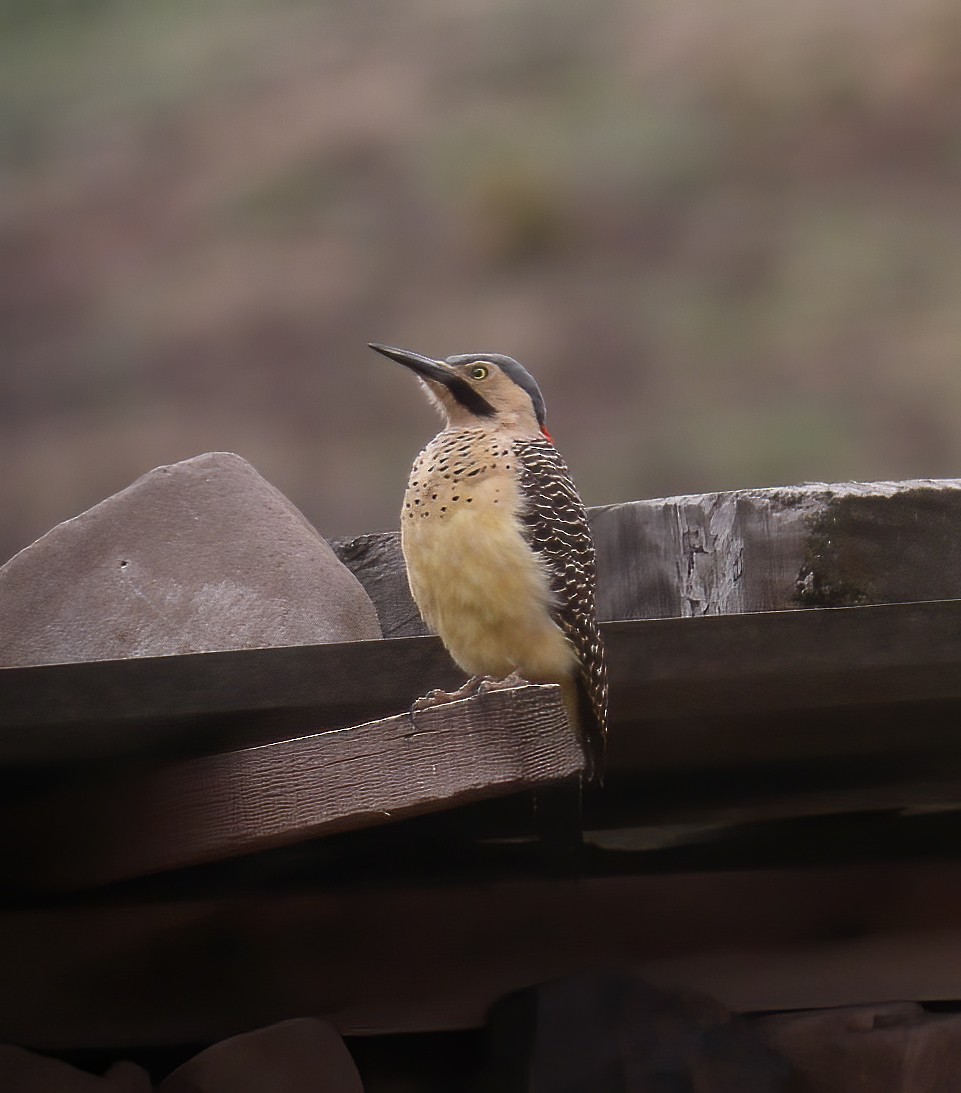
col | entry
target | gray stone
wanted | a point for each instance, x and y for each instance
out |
(199, 556)
(816, 545)
(607, 1031)
(303, 1055)
(23, 1072)
(894, 1047)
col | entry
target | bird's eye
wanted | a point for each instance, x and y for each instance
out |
(479, 372)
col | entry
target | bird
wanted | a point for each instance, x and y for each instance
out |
(499, 554)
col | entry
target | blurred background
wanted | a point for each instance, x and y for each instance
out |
(726, 238)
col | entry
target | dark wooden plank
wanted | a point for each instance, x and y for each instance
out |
(385, 959)
(661, 670)
(717, 721)
(150, 819)
(753, 689)
(683, 691)
(203, 701)
(714, 820)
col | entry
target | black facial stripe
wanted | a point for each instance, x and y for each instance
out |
(514, 371)
(469, 398)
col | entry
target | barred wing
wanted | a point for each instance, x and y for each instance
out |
(558, 530)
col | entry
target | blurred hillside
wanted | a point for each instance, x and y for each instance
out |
(726, 238)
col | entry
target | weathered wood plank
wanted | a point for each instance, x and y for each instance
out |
(146, 820)
(389, 959)
(681, 690)
(817, 545)
(203, 701)
(750, 689)
(718, 721)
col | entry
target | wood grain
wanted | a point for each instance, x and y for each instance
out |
(150, 819)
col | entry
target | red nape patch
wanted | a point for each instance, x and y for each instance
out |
(547, 434)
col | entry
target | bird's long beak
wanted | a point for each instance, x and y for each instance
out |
(423, 366)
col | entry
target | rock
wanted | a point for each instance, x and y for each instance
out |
(816, 545)
(890, 1048)
(299, 1056)
(377, 562)
(604, 1032)
(203, 555)
(23, 1072)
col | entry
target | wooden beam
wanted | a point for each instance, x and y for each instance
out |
(717, 721)
(378, 959)
(712, 673)
(61, 713)
(149, 819)
(755, 688)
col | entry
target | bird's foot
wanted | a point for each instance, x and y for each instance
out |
(476, 685)
(488, 683)
(438, 697)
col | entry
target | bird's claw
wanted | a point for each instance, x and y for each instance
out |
(488, 683)
(476, 685)
(436, 697)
